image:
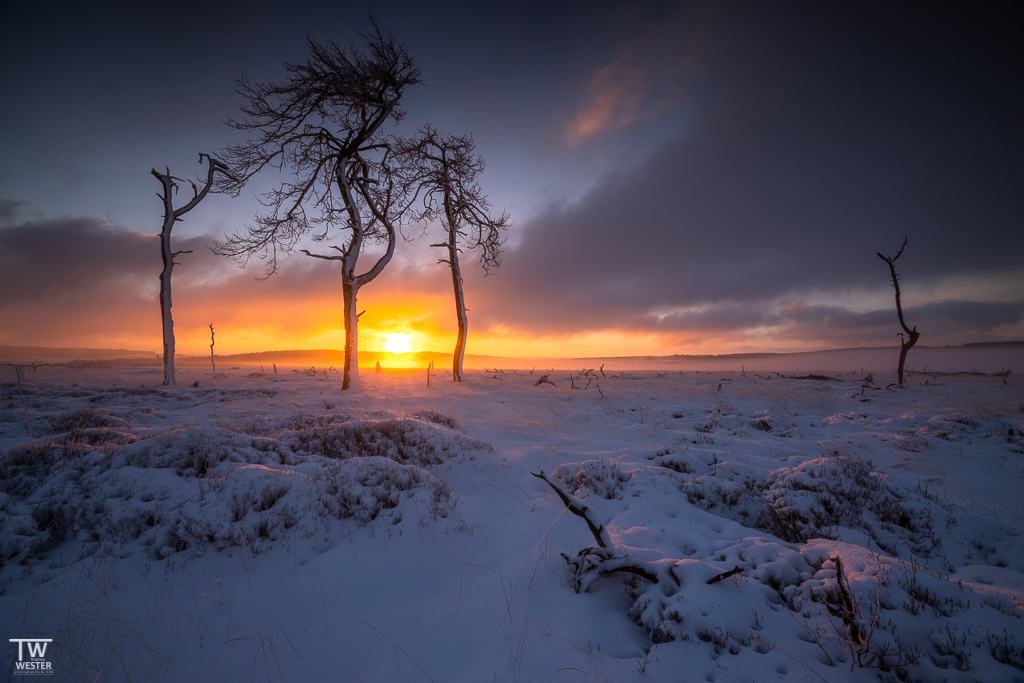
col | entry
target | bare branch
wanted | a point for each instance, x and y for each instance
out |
(582, 511)
(307, 252)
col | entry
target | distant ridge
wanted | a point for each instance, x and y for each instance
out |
(997, 343)
(27, 352)
(323, 357)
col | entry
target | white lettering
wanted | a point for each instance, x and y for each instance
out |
(37, 648)
(35, 645)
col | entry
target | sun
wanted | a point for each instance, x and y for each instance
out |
(398, 342)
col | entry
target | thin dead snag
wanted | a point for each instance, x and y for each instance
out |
(213, 363)
(444, 171)
(172, 216)
(590, 563)
(324, 122)
(912, 334)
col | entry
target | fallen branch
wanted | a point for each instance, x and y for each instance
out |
(577, 508)
(974, 373)
(544, 380)
(591, 563)
(724, 575)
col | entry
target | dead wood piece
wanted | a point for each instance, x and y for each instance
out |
(957, 373)
(544, 380)
(724, 575)
(577, 508)
(846, 609)
(591, 563)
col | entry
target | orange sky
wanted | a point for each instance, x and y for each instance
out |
(107, 298)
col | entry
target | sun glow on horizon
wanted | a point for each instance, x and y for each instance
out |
(398, 342)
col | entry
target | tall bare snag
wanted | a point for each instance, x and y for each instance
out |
(172, 216)
(912, 335)
(324, 123)
(444, 180)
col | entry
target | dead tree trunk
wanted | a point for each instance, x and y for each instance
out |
(213, 363)
(460, 307)
(348, 256)
(459, 356)
(172, 216)
(912, 335)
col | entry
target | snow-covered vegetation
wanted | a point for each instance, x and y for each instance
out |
(266, 526)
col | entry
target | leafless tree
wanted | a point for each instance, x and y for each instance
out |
(912, 335)
(445, 183)
(324, 122)
(213, 362)
(172, 216)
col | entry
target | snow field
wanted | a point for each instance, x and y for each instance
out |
(271, 527)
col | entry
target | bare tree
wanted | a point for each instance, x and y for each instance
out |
(445, 182)
(172, 216)
(323, 122)
(912, 335)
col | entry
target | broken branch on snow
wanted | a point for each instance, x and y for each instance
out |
(590, 563)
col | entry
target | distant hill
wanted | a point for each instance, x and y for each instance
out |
(996, 343)
(328, 357)
(39, 352)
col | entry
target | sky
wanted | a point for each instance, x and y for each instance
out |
(706, 177)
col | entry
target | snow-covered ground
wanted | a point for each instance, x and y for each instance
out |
(268, 526)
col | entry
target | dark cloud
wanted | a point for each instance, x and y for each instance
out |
(75, 278)
(836, 324)
(805, 155)
(10, 210)
(74, 257)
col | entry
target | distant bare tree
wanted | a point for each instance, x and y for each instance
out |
(172, 216)
(323, 122)
(213, 362)
(445, 182)
(912, 334)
